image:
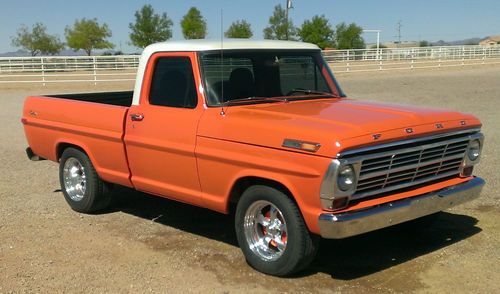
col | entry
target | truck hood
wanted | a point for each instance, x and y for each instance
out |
(336, 124)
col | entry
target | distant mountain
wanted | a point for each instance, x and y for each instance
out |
(471, 41)
(18, 53)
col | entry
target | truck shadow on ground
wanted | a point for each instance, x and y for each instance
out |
(344, 259)
(366, 254)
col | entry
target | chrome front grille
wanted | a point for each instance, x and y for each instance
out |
(410, 166)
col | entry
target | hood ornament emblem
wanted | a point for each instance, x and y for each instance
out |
(376, 136)
(409, 130)
(439, 126)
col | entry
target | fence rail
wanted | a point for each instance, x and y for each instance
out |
(95, 69)
(358, 60)
(64, 69)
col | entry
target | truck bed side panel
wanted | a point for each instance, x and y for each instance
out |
(96, 128)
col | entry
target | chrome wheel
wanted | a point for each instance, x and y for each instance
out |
(265, 230)
(75, 181)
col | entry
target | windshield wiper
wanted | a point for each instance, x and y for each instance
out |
(254, 99)
(309, 92)
(285, 98)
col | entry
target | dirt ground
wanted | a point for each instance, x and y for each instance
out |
(149, 244)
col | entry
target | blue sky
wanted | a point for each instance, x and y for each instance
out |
(422, 20)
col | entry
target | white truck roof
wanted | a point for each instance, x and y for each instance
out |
(208, 45)
(226, 44)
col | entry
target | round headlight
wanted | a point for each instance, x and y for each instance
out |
(346, 178)
(474, 150)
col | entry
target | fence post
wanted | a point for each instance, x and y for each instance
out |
(463, 55)
(95, 72)
(43, 71)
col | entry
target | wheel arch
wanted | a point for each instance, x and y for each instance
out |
(61, 146)
(243, 183)
(65, 144)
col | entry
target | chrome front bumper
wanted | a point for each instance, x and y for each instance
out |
(342, 225)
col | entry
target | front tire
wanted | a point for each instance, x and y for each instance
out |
(271, 232)
(84, 191)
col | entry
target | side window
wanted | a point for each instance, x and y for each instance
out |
(173, 83)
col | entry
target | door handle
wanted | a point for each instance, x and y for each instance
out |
(136, 117)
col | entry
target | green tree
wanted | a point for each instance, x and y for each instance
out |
(37, 40)
(279, 27)
(349, 36)
(194, 25)
(424, 43)
(149, 27)
(381, 46)
(88, 35)
(239, 29)
(317, 31)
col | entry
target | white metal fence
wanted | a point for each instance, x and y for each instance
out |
(411, 58)
(66, 69)
(96, 69)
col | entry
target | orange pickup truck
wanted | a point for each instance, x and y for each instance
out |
(260, 129)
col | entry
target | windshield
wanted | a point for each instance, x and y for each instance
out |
(236, 75)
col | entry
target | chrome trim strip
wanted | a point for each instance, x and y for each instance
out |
(409, 141)
(342, 225)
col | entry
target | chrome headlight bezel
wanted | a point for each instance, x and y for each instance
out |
(475, 146)
(346, 177)
(474, 150)
(331, 190)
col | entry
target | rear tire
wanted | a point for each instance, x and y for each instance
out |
(271, 232)
(84, 191)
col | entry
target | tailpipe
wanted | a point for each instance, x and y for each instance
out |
(32, 156)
